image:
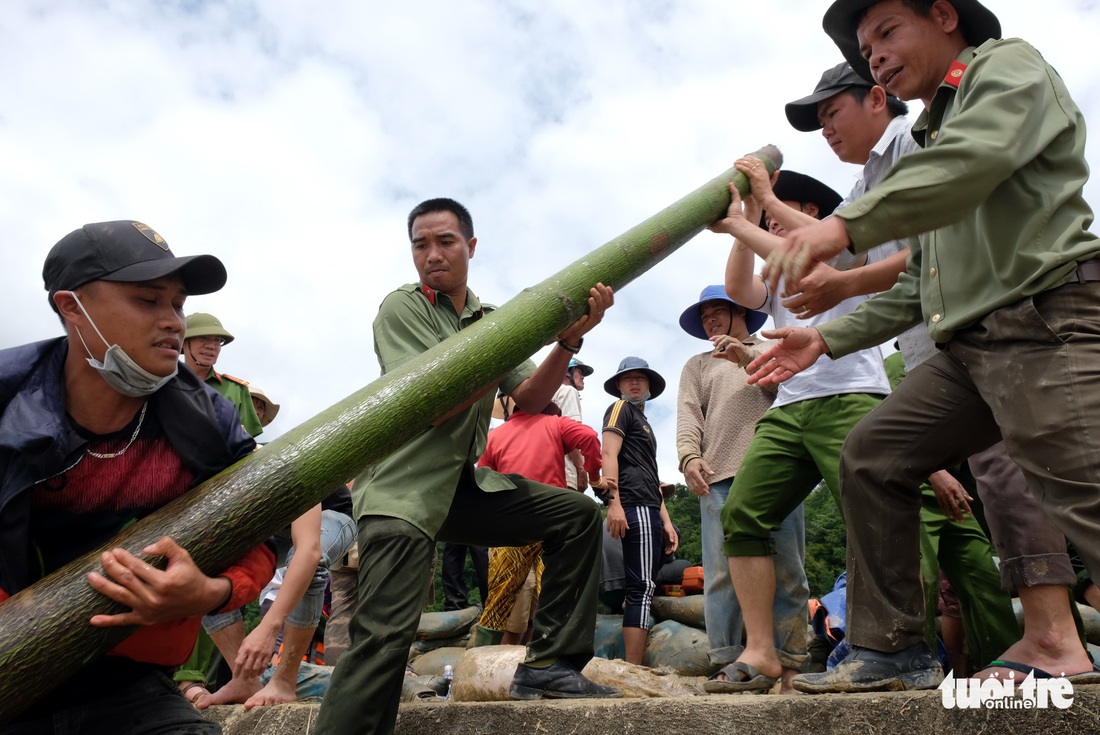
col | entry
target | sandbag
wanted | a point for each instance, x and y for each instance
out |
(432, 662)
(449, 624)
(484, 674)
(687, 610)
(419, 648)
(678, 647)
(419, 689)
(1091, 618)
(609, 637)
(313, 680)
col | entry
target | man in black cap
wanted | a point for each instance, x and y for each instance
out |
(1005, 277)
(797, 441)
(100, 428)
(865, 124)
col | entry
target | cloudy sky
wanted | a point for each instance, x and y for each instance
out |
(291, 138)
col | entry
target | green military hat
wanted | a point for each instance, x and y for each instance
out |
(206, 325)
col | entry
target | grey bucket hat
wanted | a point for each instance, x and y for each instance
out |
(629, 365)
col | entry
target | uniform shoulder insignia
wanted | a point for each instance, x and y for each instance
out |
(227, 376)
(955, 74)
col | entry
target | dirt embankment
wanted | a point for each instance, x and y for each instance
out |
(903, 713)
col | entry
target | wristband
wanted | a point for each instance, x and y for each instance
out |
(570, 348)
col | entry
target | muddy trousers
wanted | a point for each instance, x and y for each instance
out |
(394, 561)
(724, 622)
(1031, 548)
(1026, 372)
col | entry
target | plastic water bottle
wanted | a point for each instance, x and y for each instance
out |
(448, 679)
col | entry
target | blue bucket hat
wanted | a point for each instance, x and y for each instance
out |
(630, 364)
(691, 322)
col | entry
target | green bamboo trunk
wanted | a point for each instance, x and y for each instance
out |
(44, 633)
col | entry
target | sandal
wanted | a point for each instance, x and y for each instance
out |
(740, 677)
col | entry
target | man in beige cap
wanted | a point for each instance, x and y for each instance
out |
(201, 348)
(266, 409)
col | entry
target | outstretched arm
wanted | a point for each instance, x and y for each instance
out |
(797, 254)
(824, 287)
(796, 349)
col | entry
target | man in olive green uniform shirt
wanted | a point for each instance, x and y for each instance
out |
(1005, 277)
(429, 490)
(201, 347)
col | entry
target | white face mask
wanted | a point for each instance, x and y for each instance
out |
(119, 370)
(636, 401)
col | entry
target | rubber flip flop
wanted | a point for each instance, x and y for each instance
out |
(1024, 669)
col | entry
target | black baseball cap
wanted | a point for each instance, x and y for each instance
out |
(125, 251)
(802, 113)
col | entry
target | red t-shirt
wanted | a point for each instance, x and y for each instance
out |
(534, 446)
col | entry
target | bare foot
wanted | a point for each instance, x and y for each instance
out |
(786, 685)
(1068, 660)
(237, 691)
(277, 691)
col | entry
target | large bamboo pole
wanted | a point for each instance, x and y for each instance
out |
(44, 632)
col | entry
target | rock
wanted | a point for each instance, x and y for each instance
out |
(484, 674)
(641, 681)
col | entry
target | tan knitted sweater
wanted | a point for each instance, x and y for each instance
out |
(717, 411)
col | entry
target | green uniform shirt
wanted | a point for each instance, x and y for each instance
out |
(236, 390)
(996, 192)
(417, 482)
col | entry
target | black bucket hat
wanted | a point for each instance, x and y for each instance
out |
(841, 20)
(792, 186)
